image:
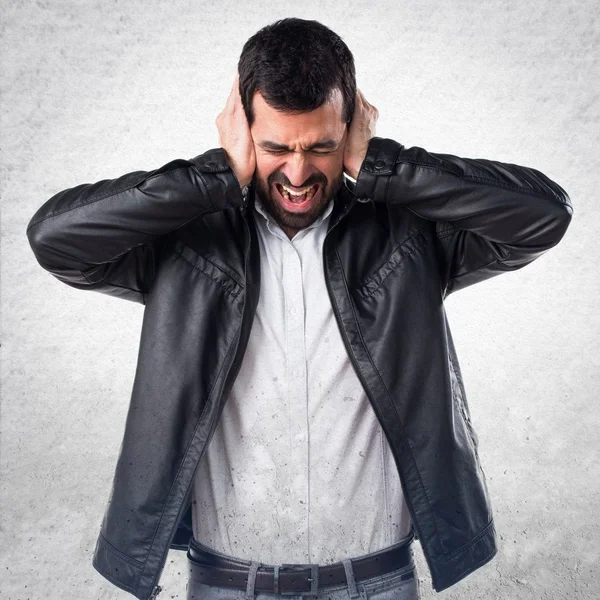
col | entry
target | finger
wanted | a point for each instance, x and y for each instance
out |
(366, 103)
(357, 104)
(234, 90)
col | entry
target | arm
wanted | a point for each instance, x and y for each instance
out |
(106, 236)
(491, 217)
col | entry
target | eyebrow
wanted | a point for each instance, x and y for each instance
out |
(325, 144)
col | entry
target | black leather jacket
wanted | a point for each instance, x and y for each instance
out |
(182, 241)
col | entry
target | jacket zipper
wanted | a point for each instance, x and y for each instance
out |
(157, 588)
(357, 369)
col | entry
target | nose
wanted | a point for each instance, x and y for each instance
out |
(298, 169)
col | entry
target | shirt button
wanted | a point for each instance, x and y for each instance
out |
(379, 164)
(296, 373)
(293, 310)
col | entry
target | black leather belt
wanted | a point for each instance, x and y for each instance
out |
(294, 579)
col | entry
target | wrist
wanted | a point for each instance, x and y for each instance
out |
(352, 172)
(352, 168)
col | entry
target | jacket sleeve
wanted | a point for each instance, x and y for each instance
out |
(491, 217)
(107, 236)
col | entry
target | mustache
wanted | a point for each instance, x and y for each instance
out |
(309, 181)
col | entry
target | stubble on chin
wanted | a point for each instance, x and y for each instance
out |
(292, 220)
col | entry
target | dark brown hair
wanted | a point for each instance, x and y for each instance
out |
(296, 64)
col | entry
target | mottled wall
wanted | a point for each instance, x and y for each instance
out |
(92, 90)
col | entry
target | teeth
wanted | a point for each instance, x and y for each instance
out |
(300, 193)
(287, 193)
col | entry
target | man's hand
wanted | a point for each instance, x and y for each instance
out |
(362, 129)
(235, 137)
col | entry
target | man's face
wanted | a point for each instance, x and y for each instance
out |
(298, 151)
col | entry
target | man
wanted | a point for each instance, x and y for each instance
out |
(298, 414)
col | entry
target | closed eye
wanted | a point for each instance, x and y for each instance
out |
(311, 151)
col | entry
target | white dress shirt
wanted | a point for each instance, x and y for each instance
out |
(298, 469)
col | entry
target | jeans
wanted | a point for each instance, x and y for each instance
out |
(401, 584)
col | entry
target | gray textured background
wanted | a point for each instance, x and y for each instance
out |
(92, 90)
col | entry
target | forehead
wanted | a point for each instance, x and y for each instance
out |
(273, 125)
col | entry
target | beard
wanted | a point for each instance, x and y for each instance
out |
(290, 220)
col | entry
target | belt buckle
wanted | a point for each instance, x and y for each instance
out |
(314, 578)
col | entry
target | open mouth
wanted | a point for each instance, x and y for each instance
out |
(295, 201)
